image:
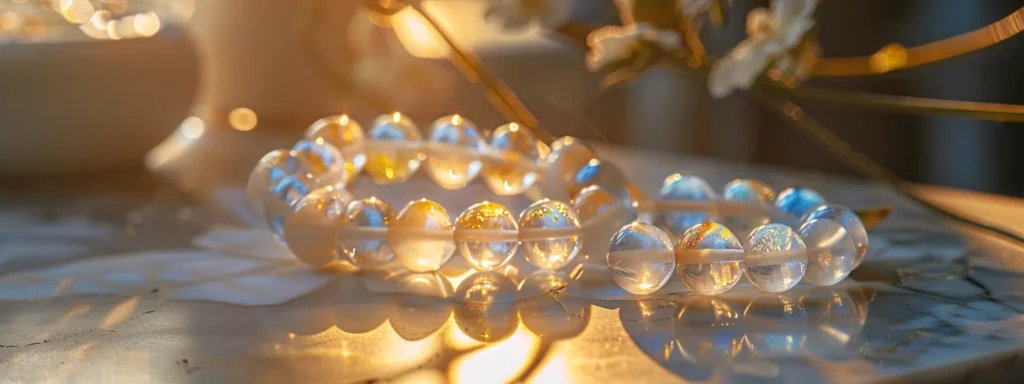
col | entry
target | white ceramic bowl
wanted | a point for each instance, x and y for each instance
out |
(80, 106)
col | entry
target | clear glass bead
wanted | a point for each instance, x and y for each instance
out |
(319, 160)
(346, 135)
(709, 258)
(516, 155)
(393, 164)
(685, 188)
(265, 176)
(421, 236)
(750, 192)
(475, 230)
(640, 258)
(364, 250)
(457, 146)
(776, 258)
(830, 251)
(798, 201)
(556, 251)
(605, 175)
(568, 155)
(849, 220)
(486, 288)
(310, 229)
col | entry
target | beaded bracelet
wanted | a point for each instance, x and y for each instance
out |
(301, 192)
(827, 246)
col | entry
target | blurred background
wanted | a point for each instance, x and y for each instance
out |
(93, 85)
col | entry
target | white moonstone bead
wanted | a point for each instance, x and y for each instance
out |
(310, 230)
(476, 232)
(568, 155)
(366, 250)
(709, 259)
(605, 175)
(515, 162)
(346, 135)
(849, 220)
(455, 156)
(685, 188)
(640, 258)
(830, 251)
(395, 164)
(776, 258)
(602, 215)
(288, 191)
(556, 250)
(421, 236)
(797, 201)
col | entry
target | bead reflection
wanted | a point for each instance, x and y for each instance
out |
(421, 236)
(833, 319)
(421, 306)
(542, 282)
(776, 325)
(486, 287)
(393, 164)
(455, 161)
(708, 330)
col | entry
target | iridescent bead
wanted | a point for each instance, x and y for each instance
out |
(310, 230)
(264, 176)
(457, 147)
(709, 259)
(830, 251)
(366, 250)
(319, 160)
(849, 220)
(552, 250)
(748, 191)
(421, 236)
(776, 258)
(640, 258)
(568, 155)
(798, 201)
(288, 191)
(395, 162)
(685, 188)
(476, 233)
(639, 200)
(606, 175)
(516, 154)
(346, 135)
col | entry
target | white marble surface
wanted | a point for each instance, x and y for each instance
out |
(131, 283)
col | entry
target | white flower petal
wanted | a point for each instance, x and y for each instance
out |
(738, 70)
(609, 45)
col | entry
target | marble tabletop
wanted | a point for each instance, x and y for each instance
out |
(130, 279)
